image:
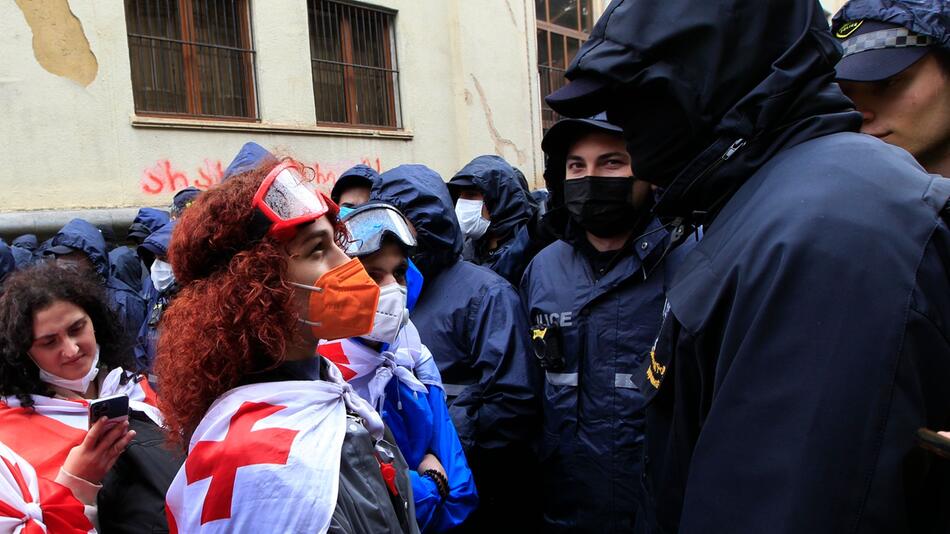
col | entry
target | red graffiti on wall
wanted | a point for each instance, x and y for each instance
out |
(164, 177)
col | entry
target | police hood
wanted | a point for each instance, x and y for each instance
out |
(151, 218)
(421, 195)
(80, 235)
(247, 159)
(505, 190)
(743, 79)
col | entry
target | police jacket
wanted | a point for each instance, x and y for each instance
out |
(473, 322)
(592, 322)
(807, 336)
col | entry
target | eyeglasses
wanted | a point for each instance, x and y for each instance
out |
(286, 199)
(368, 224)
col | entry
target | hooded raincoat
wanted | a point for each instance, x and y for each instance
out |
(806, 335)
(512, 210)
(473, 322)
(124, 301)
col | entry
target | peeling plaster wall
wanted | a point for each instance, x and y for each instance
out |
(468, 86)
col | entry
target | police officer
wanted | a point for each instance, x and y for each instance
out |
(896, 69)
(595, 301)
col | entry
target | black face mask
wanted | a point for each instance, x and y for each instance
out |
(602, 205)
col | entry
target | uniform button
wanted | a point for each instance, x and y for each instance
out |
(644, 245)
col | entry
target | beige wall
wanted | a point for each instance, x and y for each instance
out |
(832, 6)
(70, 138)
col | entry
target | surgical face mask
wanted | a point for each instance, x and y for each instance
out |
(162, 275)
(469, 213)
(602, 205)
(79, 385)
(391, 314)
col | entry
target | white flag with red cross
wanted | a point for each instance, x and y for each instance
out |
(266, 458)
(45, 433)
(33, 505)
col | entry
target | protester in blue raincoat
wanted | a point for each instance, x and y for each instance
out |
(595, 302)
(352, 188)
(248, 158)
(473, 322)
(161, 289)
(392, 369)
(23, 248)
(806, 339)
(146, 221)
(497, 213)
(7, 261)
(81, 244)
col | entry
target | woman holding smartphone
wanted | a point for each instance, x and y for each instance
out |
(60, 349)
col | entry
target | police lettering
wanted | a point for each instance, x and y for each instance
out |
(554, 319)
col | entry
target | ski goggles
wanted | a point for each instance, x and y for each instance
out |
(285, 200)
(369, 224)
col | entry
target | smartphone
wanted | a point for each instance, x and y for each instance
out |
(933, 442)
(115, 407)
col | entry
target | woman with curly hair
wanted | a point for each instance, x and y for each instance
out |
(276, 441)
(59, 349)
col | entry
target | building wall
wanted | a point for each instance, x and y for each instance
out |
(71, 140)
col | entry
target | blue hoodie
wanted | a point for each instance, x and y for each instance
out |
(474, 323)
(248, 158)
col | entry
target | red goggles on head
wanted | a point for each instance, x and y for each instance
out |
(286, 199)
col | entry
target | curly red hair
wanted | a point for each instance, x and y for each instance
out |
(233, 315)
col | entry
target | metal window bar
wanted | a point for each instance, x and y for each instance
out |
(355, 73)
(192, 57)
(555, 46)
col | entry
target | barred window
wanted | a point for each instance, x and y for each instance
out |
(353, 56)
(191, 58)
(563, 25)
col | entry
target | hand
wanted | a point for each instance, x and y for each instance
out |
(429, 461)
(99, 450)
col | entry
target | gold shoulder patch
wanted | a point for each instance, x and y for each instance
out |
(848, 28)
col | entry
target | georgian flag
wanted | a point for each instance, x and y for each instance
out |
(369, 371)
(44, 434)
(33, 505)
(266, 458)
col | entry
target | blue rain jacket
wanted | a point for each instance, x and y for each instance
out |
(7, 261)
(474, 323)
(807, 335)
(23, 248)
(512, 210)
(247, 159)
(125, 302)
(156, 301)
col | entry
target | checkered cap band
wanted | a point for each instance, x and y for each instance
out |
(890, 38)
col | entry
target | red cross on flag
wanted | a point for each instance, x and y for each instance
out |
(44, 434)
(266, 458)
(33, 505)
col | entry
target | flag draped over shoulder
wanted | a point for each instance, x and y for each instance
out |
(266, 457)
(33, 505)
(44, 434)
(370, 371)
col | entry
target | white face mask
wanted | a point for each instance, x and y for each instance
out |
(162, 275)
(79, 385)
(391, 314)
(469, 213)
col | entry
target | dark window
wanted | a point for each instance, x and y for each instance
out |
(191, 57)
(563, 25)
(353, 54)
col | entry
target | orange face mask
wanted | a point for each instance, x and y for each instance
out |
(342, 302)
